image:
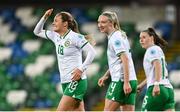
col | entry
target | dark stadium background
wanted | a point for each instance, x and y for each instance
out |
(29, 77)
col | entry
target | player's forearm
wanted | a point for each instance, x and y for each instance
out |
(39, 27)
(89, 58)
(107, 74)
(143, 83)
(125, 63)
(158, 70)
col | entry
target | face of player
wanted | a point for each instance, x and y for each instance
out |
(146, 40)
(58, 25)
(104, 24)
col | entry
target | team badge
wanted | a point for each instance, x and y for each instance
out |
(117, 43)
(153, 52)
(67, 43)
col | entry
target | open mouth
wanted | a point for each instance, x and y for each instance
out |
(101, 29)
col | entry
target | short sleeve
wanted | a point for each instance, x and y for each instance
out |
(153, 54)
(118, 45)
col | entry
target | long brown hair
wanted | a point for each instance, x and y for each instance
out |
(73, 25)
(67, 17)
(157, 40)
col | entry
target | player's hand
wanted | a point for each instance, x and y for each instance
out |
(156, 90)
(102, 80)
(48, 13)
(90, 39)
(76, 74)
(127, 88)
(139, 89)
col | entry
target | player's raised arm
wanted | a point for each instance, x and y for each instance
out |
(38, 30)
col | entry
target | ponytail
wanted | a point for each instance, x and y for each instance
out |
(74, 26)
(157, 40)
(116, 21)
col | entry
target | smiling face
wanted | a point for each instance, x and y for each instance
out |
(104, 24)
(58, 25)
(146, 40)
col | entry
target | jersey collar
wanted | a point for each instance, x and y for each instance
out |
(63, 36)
(109, 36)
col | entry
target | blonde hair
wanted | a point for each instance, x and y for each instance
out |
(112, 16)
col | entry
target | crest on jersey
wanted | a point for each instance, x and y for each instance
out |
(67, 43)
(117, 43)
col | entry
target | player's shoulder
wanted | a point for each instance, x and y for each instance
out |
(154, 49)
(76, 35)
(119, 34)
(51, 32)
(116, 33)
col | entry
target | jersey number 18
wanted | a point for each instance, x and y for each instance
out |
(61, 49)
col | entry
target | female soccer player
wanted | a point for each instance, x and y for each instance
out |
(122, 89)
(159, 95)
(69, 46)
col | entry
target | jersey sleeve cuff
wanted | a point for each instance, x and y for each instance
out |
(81, 68)
(84, 44)
(119, 54)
